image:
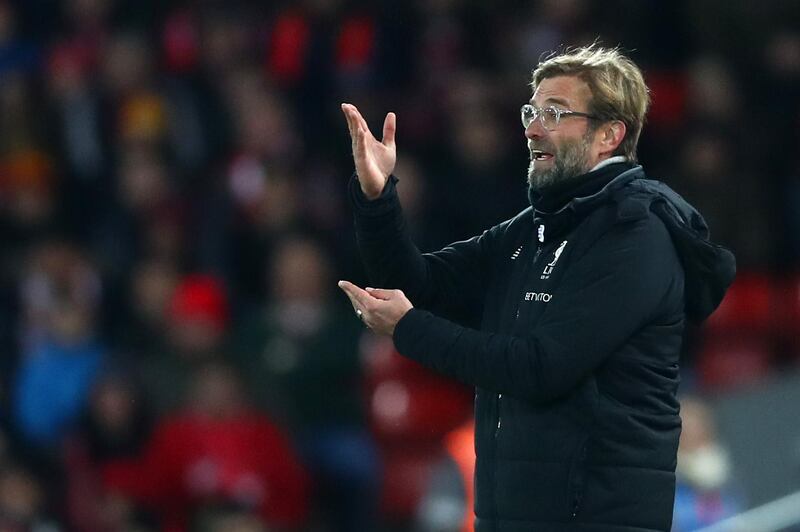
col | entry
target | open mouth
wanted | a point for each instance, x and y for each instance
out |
(538, 155)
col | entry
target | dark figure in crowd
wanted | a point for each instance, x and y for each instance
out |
(115, 426)
(300, 356)
(568, 318)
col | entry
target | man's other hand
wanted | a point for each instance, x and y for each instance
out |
(374, 160)
(380, 310)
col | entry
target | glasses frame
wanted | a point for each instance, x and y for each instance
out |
(529, 113)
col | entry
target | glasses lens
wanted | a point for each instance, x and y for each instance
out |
(528, 114)
(550, 118)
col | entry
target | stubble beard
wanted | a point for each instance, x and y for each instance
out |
(571, 162)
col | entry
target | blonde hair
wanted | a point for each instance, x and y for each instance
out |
(617, 86)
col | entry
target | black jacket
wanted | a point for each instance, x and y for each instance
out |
(569, 324)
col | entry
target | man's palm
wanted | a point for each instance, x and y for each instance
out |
(374, 160)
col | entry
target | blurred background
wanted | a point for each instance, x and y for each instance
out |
(175, 354)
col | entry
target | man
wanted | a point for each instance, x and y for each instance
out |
(568, 318)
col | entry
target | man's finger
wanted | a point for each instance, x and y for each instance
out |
(354, 122)
(381, 293)
(359, 297)
(351, 121)
(361, 141)
(353, 302)
(360, 121)
(389, 128)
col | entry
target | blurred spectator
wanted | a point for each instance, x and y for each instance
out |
(17, 54)
(411, 409)
(145, 218)
(780, 59)
(216, 453)
(77, 130)
(704, 492)
(28, 185)
(61, 353)
(226, 34)
(21, 124)
(447, 502)
(27, 172)
(126, 66)
(300, 353)
(23, 502)
(115, 427)
(545, 27)
(196, 324)
(261, 180)
(152, 285)
(708, 175)
(75, 109)
(713, 93)
(478, 163)
(199, 315)
(197, 128)
(418, 205)
(55, 376)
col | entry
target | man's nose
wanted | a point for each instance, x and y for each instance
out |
(535, 130)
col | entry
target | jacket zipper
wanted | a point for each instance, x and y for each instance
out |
(500, 395)
(576, 479)
(499, 419)
(516, 317)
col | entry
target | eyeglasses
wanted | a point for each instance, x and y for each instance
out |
(549, 116)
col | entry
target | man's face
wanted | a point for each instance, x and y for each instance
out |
(569, 150)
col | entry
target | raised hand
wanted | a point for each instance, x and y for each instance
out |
(374, 160)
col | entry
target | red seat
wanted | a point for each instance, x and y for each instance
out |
(408, 402)
(669, 90)
(788, 314)
(749, 307)
(406, 472)
(728, 363)
(382, 362)
(417, 410)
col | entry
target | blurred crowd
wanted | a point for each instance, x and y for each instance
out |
(173, 221)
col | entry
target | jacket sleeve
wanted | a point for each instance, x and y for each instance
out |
(446, 282)
(630, 277)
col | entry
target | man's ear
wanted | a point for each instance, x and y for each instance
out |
(613, 134)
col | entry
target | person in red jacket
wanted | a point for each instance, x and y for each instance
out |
(217, 453)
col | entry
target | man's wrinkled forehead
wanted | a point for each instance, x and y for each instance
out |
(564, 91)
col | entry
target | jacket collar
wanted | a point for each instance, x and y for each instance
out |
(581, 198)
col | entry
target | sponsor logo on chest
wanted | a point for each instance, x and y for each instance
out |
(538, 296)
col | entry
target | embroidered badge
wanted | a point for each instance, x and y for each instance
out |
(550, 265)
